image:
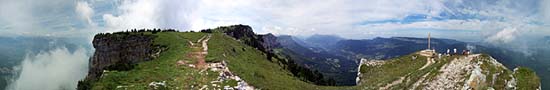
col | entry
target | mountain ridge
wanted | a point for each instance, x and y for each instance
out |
(256, 59)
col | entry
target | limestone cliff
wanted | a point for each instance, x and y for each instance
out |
(119, 52)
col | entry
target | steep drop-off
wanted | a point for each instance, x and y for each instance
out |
(120, 52)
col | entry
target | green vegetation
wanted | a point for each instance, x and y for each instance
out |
(380, 75)
(526, 79)
(244, 34)
(252, 65)
(500, 73)
(163, 68)
(245, 61)
(403, 72)
(431, 71)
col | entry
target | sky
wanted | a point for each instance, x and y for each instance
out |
(512, 23)
(492, 20)
(508, 23)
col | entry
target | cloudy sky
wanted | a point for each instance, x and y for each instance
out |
(515, 24)
(499, 21)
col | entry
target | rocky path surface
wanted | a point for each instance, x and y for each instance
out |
(429, 61)
(200, 50)
(452, 74)
(201, 55)
(398, 81)
(428, 54)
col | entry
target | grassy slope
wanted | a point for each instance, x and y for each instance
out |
(526, 79)
(251, 65)
(490, 70)
(160, 69)
(378, 76)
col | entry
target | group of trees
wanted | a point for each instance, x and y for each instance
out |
(306, 74)
(206, 31)
(154, 31)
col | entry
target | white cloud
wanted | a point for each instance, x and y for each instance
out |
(85, 11)
(134, 14)
(504, 36)
(57, 69)
(471, 47)
(330, 16)
(293, 17)
(341, 17)
(15, 17)
(150, 14)
(545, 9)
(59, 18)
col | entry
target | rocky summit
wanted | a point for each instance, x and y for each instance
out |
(427, 70)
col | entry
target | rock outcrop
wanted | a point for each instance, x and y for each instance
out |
(120, 52)
(447, 72)
(264, 43)
(238, 31)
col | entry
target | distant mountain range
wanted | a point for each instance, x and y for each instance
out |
(341, 68)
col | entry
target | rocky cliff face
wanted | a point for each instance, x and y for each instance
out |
(238, 31)
(269, 41)
(120, 52)
(244, 33)
(264, 42)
